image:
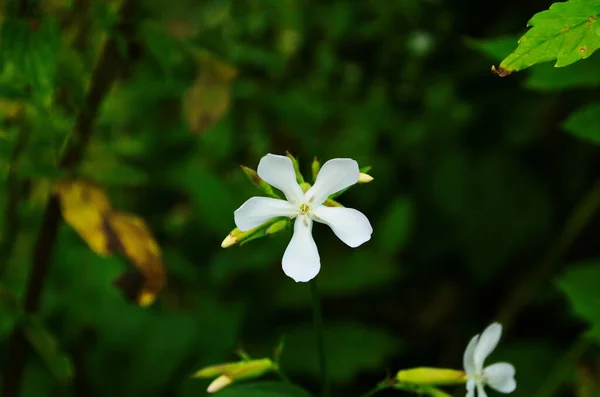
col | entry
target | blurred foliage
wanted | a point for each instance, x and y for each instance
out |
(475, 178)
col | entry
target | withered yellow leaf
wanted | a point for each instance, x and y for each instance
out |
(131, 236)
(84, 207)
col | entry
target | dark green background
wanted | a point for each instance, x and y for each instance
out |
(474, 181)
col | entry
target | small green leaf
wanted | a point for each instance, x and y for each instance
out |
(263, 389)
(580, 284)
(47, 347)
(585, 123)
(567, 32)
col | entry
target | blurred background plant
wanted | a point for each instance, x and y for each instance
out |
(484, 203)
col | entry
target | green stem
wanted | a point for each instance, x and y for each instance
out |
(318, 322)
(563, 368)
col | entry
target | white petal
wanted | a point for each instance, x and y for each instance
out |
(501, 376)
(351, 226)
(487, 343)
(301, 259)
(469, 357)
(335, 175)
(278, 171)
(480, 390)
(470, 388)
(258, 210)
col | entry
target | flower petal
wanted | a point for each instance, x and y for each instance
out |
(480, 390)
(335, 175)
(501, 377)
(470, 388)
(487, 343)
(278, 171)
(301, 259)
(351, 226)
(469, 357)
(258, 210)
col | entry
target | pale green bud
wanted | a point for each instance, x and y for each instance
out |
(364, 178)
(431, 376)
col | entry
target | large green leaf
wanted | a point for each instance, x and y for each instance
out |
(264, 389)
(580, 284)
(566, 32)
(585, 123)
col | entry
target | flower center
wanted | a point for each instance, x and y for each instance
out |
(304, 208)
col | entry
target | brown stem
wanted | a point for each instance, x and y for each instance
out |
(105, 73)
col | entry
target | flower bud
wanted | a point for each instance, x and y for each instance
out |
(230, 372)
(430, 376)
(259, 183)
(364, 178)
(232, 238)
(277, 226)
(315, 168)
(332, 203)
(219, 383)
(299, 177)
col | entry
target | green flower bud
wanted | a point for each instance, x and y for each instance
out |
(299, 177)
(315, 167)
(431, 376)
(229, 372)
(259, 183)
(277, 226)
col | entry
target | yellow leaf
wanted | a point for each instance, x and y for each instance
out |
(84, 207)
(132, 237)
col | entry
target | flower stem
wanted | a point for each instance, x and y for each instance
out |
(318, 322)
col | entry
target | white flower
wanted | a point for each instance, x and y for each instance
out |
(301, 258)
(499, 376)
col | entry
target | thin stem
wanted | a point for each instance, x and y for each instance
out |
(524, 291)
(318, 322)
(563, 368)
(373, 391)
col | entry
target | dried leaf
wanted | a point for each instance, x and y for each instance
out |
(84, 207)
(133, 238)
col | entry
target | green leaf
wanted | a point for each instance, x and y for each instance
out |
(585, 123)
(47, 347)
(566, 32)
(580, 284)
(350, 348)
(264, 389)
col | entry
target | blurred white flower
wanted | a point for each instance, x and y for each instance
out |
(301, 259)
(499, 376)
